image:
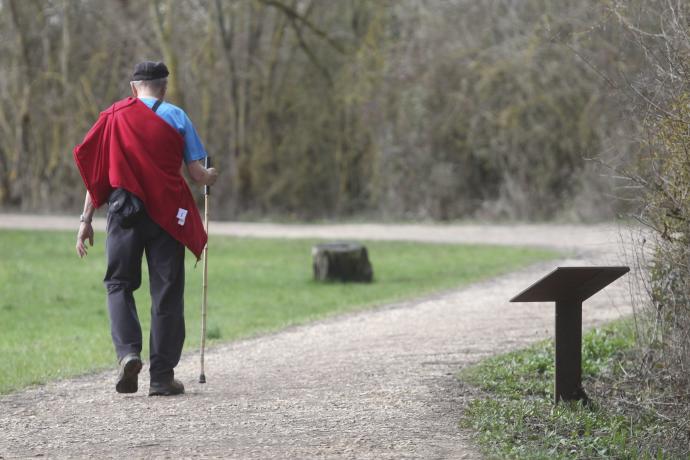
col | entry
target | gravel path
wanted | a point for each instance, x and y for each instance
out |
(375, 384)
(597, 238)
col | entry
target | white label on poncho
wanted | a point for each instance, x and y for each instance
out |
(181, 216)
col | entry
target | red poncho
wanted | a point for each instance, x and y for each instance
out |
(131, 147)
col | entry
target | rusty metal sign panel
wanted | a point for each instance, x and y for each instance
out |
(570, 284)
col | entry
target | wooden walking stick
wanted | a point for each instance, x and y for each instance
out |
(204, 286)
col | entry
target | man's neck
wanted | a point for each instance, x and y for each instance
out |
(150, 96)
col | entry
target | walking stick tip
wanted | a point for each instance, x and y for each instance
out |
(202, 378)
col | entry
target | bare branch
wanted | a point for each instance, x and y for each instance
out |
(294, 15)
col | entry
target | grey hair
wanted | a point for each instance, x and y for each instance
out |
(154, 86)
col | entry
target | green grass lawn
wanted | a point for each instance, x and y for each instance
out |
(53, 315)
(513, 416)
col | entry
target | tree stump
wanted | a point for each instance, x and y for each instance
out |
(341, 262)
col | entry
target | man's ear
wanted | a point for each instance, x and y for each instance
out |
(134, 89)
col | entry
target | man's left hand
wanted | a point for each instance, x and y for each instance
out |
(85, 232)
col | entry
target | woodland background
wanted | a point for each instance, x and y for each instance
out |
(318, 109)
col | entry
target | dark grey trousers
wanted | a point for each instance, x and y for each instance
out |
(165, 257)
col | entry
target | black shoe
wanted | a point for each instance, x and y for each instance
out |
(170, 388)
(128, 378)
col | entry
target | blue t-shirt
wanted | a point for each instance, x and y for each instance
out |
(178, 119)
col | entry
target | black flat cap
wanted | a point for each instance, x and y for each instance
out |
(149, 70)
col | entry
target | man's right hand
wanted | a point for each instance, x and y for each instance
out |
(85, 233)
(211, 176)
(200, 174)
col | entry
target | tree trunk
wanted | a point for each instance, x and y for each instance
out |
(341, 262)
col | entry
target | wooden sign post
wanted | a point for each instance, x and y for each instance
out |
(569, 287)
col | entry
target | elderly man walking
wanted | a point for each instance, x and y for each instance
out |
(131, 159)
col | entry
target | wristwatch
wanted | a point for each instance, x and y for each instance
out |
(83, 218)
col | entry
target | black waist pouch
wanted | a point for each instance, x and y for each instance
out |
(125, 207)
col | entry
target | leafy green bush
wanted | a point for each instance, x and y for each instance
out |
(668, 212)
(657, 384)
